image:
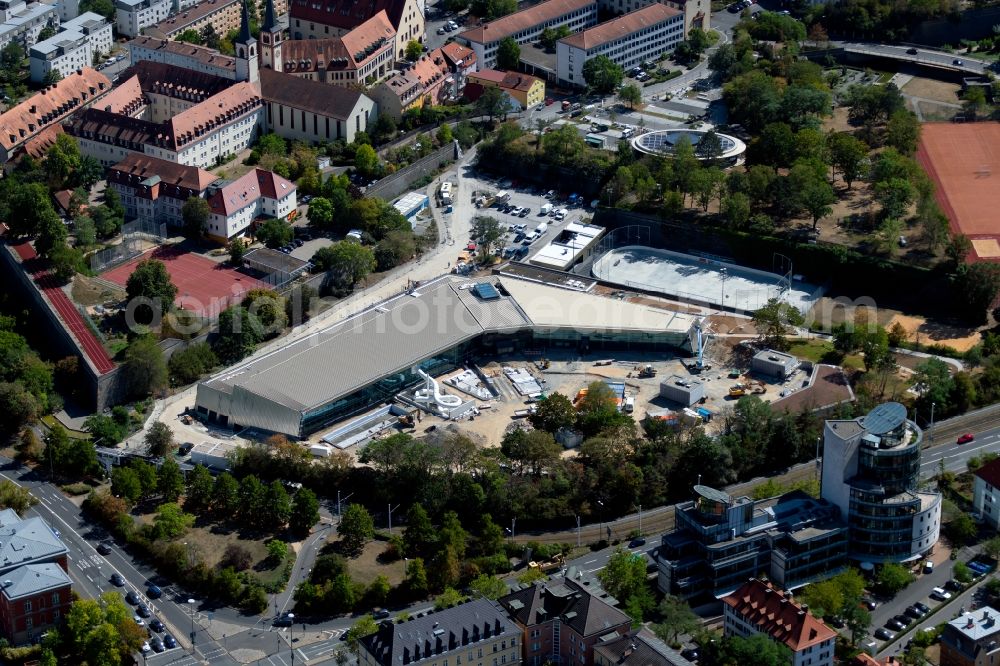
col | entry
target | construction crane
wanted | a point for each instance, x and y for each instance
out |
(699, 364)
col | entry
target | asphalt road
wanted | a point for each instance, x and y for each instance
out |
(921, 56)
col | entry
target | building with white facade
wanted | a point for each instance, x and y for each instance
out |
(133, 16)
(986, 493)
(526, 26)
(631, 39)
(74, 47)
(181, 54)
(697, 13)
(758, 607)
(23, 23)
(311, 111)
(68, 9)
(871, 472)
(237, 204)
(154, 190)
(360, 57)
(319, 19)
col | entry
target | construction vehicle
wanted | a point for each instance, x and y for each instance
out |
(737, 391)
(647, 372)
(543, 364)
(405, 420)
(699, 364)
(606, 361)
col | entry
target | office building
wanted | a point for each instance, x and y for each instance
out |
(697, 13)
(182, 54)
(629, 40)
(758, 607)
(134, 16)
(972, 639)
(474, 633)
(153, 190)
(76, 46)
(526, 26)
(871, 472)
(22, 22)
(986, 493)
(720, 541)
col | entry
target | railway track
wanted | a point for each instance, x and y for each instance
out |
(661, 519)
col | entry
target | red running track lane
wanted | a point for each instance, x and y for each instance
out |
(67, 311)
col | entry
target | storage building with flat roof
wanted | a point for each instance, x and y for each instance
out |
(365, 360)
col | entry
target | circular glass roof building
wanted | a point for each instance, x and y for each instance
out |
(663, 142)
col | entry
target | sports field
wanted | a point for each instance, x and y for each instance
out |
(963, 160)
(699, 279)
(204, 287)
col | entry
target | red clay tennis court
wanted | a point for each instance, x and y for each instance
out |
(203, 286)
(963, 160)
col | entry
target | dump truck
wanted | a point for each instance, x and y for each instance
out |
(737, 391)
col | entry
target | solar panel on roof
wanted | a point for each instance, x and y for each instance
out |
(486, 291)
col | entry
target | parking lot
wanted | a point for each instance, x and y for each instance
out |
(535, 200)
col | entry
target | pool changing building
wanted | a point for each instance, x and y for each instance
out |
(365, 360)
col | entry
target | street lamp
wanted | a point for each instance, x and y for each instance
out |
(723, 271)
(192, 602)
(291, 628)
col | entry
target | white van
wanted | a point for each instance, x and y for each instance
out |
(545, 209)
(541, 229)
(629, 405)
(353, 234)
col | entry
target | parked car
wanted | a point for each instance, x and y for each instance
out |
(156, 644)
(117, 580)
(524, 212)
(691, 654)
(928, 567)
(954, 586)
(923, 608)
(306, 199)
(142, 611)
(380, 614)
(156, 626)
(139, 621)
(103, 548)
(636, 542)
(145, 646)
(914, 612)
(903, 620)
(966, 438)
(884, 634)
(895, 625)
(940, 594)
(519, 237)
(870, 604)
(169, 642)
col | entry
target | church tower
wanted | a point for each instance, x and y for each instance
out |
(270, 39)
(246, 49)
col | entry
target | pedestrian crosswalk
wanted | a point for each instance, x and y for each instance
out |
(90, 562)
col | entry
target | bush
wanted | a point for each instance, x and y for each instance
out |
(77, 489)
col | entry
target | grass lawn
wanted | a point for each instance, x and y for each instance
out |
(50, 422)
(365, 567)
(822, 351)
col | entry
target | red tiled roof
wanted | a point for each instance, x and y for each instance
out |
(990, 473)
(126, 98)
(505, 80)
(428, 72)
(351, 51)
(497, 29)
(774, 613)
(137, 167)
(623, 26)
(346, 14)
(241, 98)
(39, 144)
(313, 96)
(373, 33)
(51, 105)
(247, 189)
(454, 52)
(202, 54)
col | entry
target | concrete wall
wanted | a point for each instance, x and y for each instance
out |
(392, 186)
(102, 390)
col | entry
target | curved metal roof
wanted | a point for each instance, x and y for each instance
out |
(712, 494)
(885, 418)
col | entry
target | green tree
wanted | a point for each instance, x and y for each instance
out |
(363, 627)
(488, 232)
(493, 103)
(602, 74)
(974, 101)
(200, 485)
(774, 321)
(554, 413)
(419, 535)
(195, 213)
(189, 364)
(416, 577)
(903, 131)
(892, 578)
(277, 505)
(736, 209)
(190, 36)
(489, 587)
(159, 440)
(238, 335)
(847, 154)
(757, 650)
(448, 598)
(320, 213)
(366, 161)
(346, 263)
(251, 501)
(631, 94)
(237, 250)
(624, 575)
(961, 529)
(962, 572)
(170, 481)
(150, 280)
(305, 511)
(508, 54)
(51, 233)
(677, 618)
(274, 232)
(62, 160)
(125, 484)
(144, 369)
(170, 521)
(414, 50)
(225, 495)
(356, 528)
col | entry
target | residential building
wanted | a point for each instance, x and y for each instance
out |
(758, 607)
(563, 621)
(972, 639)
(697, 13)
(871, 472)
(460, 61)
(22, 22)
(359, 57)
(35, 593)
(175, 114)
(311, 111)
(720, 541)
(399, 93)
(134, 16)
(432, 72)
(526, 26)
(154, 190)
(318, 19)
(636, 648)
(33, 598)
(527, 91)
(222, 15)
(629, 40)
(237, 204)
(986, 493)
(181, 54)
(78, 43)
(474, 633)
(68, 9)
(50, 106)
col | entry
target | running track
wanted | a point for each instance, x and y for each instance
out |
(90, 345)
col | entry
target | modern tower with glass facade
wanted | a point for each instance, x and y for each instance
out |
(871, 471)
